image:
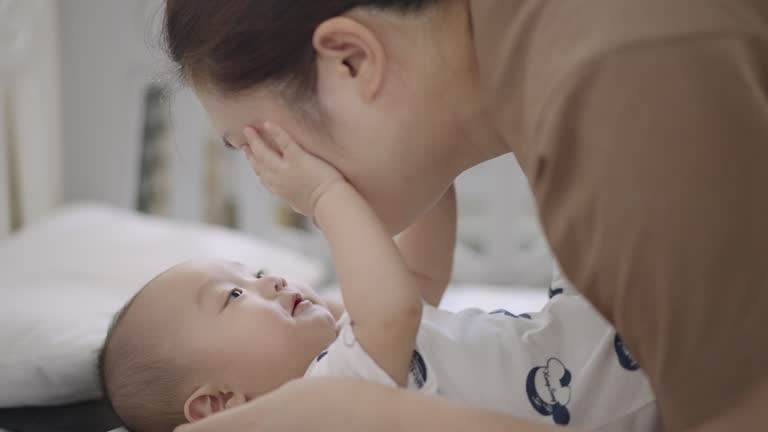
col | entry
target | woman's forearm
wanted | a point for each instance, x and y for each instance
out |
(414, 412)
(346, 405)
(428, 246)
(375, 408)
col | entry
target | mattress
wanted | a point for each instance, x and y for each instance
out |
(94, 416)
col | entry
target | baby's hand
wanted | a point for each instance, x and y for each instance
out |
(287, 170)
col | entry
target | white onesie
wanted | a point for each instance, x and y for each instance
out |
(564, 365)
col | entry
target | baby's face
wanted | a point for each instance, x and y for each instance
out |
(244, 331)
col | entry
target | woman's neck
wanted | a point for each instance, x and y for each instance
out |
(477, 138)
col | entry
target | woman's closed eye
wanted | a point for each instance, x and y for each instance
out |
(228, 145)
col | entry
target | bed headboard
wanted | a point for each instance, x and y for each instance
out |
(30, 156)
(5, 178)
(12, 44)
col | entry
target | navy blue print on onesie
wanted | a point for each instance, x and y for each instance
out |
(549, 390)
(625, 357)
(418, 369)
(505, 312)
(322, 355)
(555, 292)
(510, 314)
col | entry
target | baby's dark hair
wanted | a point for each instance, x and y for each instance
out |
(140, 380)
(236, 45)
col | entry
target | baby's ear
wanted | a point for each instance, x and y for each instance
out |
(206, 401)
(235, 400)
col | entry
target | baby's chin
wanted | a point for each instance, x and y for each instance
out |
(320, 329)
(322, 313)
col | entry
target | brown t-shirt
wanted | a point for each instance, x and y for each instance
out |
(642, 126)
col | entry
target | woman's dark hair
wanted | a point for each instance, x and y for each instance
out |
(236, 45)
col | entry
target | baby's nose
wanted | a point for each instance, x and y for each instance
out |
(278, 283)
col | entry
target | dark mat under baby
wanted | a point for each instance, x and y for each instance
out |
(94, 416)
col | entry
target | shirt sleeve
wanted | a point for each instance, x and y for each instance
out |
(560, 283)
(651, 181)
(347, 358)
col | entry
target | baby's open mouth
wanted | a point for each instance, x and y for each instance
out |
(297, 299)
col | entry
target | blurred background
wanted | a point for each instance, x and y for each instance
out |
(89, 112)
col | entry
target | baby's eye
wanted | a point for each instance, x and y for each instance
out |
(260, 274)
(234, 294)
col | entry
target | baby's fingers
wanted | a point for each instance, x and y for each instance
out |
(260, 154)
(280, 137)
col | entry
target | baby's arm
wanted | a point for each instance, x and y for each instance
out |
(428, 245)
(381, 294)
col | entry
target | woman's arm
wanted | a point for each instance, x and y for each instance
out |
(343, 405)
(428, 246)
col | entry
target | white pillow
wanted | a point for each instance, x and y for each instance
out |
(62, 279)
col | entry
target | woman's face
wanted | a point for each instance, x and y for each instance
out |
(394, 107)
(387, 155)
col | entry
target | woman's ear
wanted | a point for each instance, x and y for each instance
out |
(350, 53)
(206, 401)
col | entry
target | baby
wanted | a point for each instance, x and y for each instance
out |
(206, 336)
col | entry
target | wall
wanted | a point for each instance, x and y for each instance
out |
(111, 55)
(5, 203)
(30, 101)
(106, 65)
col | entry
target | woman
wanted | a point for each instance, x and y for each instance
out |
(641, 126)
